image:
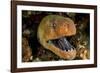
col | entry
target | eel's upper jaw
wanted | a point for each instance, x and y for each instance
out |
(62, 44)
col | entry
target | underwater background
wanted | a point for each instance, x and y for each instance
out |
(31, 45)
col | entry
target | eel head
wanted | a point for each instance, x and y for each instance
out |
(53, 32)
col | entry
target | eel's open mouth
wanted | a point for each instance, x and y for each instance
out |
(62, 43)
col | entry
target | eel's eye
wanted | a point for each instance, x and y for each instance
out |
(54, 25)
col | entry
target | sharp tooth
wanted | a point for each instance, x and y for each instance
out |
(71, 49)
(68, 50)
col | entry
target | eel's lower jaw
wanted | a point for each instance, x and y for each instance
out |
(69, 55)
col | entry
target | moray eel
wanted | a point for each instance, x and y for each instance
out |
(52, 34)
